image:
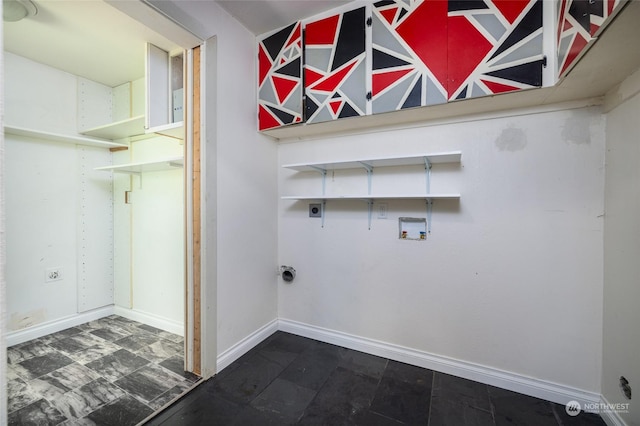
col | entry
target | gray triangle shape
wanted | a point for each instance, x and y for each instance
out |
(322, 115)
(267, 93)
(355, 87)
(294, 103)
(492, 24)
(434, 96)
(530, 49)
(318, 58)
(394, 98)
(382, 37)
(476, 91)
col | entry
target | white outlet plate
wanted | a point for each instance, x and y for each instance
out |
(53, 274)
(383, 208)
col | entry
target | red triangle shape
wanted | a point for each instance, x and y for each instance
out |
(264, 65)
(511, 9)
(578, 44)
(498, 87)
(389, 14)
(321, 32)
(295, 36)
(331, 82)
(265, 119)
(311, 76)
(383, 80)
(567, 26)
(335, 106)
(283, 87)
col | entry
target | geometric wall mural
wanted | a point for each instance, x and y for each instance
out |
(578, 21)
(427, 52)
(335, 67)
(409, 64)
(280, 78)
(495, 46)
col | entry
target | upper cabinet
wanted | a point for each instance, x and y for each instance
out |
(394, 55)
(280, 78)
(164, 92)
(335, 68)
(493, 47)
(578, 23)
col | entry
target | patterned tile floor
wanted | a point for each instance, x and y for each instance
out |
(112, 371)
(291, 380)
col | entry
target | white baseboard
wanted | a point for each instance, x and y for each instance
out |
(549, 391)
(20, 336)
(245, 345)
(611, 418)
(152, 320)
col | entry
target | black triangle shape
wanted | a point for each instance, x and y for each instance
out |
(456, 5)
(579, 9)
(403, 12)
(384, 60)
(275, 42)
(462, 94)
(348, 111)
(414, 99)
(597, 8)
(529, 24)
(336, 96)
(530, 73)
(350, 38)
(291, 69)
(284, 117)
(310, 108)
(384, 3)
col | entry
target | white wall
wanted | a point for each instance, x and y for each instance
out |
(241, 179)
(157, 233)
(55, 203)
(621, 343)
(511, 276)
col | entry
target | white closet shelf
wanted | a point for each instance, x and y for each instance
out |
(146, 166)
(59, 137)
(173, 130)
(374, 197)
(414, 160)
(133, 126)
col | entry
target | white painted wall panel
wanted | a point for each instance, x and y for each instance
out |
(42, 218)
(511, 276)
(39, 97)
(157, 234)
(95, 229)
(621, 253)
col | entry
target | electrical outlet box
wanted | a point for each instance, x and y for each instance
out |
(315, 210)
(53, 274)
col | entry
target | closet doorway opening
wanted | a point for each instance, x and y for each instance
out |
(99, 211)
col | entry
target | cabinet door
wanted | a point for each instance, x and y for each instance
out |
(578, 22)
(409, 45)
(494, 47)
(280, 78)
(335, 67)
(157, 86)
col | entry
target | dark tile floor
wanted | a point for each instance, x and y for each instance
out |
(289, 379)
(112, 371)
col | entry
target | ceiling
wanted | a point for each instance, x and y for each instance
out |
(95, 40)
(92, 39)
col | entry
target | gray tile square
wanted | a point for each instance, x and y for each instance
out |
(284, 400)
(117, 365)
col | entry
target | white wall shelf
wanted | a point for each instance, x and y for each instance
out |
(146, 166)
(172, 130)
(118, 130)
(58, 137)
(369, 164)
(414, 160)
(373, 197)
